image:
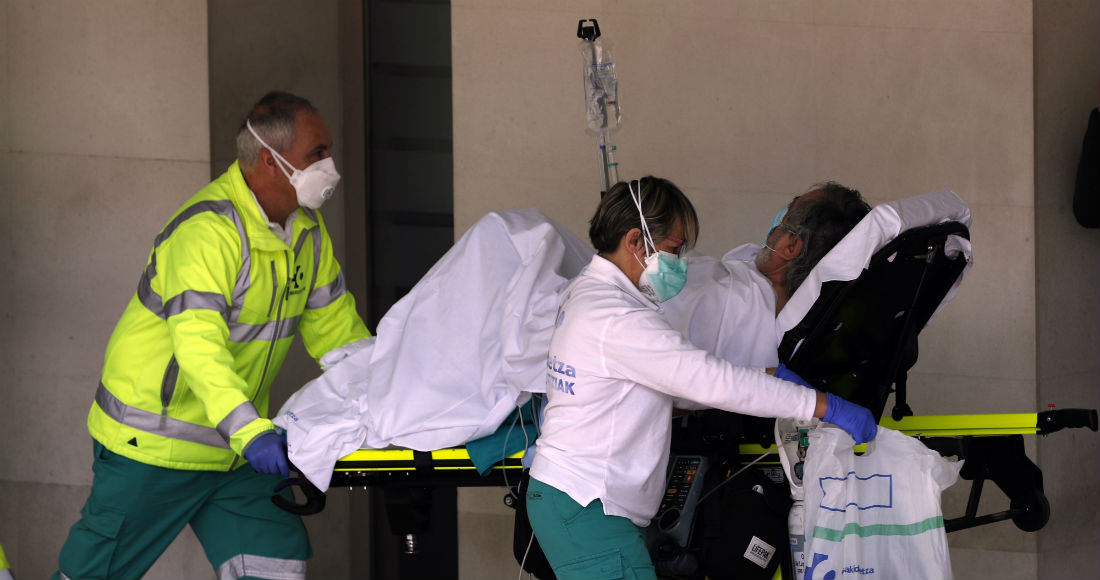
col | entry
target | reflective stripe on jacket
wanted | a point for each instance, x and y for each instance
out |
(188, 369)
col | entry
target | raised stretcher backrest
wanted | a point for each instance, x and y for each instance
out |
(859, 338)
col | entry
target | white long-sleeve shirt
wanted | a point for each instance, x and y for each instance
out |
(727, 308)
(615, 367)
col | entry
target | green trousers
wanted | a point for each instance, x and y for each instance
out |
(582, 542)
(135, 510)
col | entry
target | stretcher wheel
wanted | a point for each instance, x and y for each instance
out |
(1036, 511)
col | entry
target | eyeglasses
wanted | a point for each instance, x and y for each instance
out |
(680, 243)
(790, 229)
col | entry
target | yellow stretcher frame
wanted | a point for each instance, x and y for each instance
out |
(992, 445)
(396, 460)
(921, 426)
(947, 434)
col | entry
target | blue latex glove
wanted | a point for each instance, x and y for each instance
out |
(267, 454)
(782, 372)
(856, 420)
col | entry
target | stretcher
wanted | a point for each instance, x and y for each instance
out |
(992, 444)
(858, 340)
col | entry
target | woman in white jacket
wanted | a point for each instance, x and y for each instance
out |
(614, 371)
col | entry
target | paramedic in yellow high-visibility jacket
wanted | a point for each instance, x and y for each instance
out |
(5, 568)
(182, 405)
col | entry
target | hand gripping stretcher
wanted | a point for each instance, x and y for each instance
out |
(858, 340)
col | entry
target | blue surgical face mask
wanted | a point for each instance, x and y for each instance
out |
(775, 222)
(665, 274)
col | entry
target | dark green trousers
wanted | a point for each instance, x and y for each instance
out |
(135, 510)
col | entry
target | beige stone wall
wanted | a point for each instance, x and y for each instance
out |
(104, 114)
(112, 113)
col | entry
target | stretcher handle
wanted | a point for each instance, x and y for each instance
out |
(1058, 419)
(315, 498)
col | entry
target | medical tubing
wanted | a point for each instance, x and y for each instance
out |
(523, 562)
(729, 478)
(612, 167)
(503, 451)
(602, 160)
(504, 446)
(609, 168)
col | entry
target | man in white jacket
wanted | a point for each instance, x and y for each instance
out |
(614, 370)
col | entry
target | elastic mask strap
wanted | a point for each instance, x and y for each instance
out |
(647, 239)
(278, 157)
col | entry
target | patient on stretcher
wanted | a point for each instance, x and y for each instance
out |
(729, 305)
(467, 346)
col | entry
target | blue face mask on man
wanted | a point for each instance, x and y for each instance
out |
(665, 274)
(775, 222)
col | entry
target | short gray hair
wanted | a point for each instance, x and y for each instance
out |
(272, 117)
(821, 222)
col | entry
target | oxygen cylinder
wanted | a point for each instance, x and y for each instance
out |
(797, 533)
(793, 438)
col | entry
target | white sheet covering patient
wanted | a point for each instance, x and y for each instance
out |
(468, 343)
(452, 358)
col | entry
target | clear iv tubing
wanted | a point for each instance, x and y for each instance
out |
(609, 168)
(612, 166)
(729, 478)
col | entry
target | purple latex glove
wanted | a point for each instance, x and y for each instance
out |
(782, 372)
(856, 420)
(267, 454)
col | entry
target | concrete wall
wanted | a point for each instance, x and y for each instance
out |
(104, 112)
(112, 113)
(744, 103)
(1067, 82)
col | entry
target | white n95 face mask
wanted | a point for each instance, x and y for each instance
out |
(314, 184)
(665, 274)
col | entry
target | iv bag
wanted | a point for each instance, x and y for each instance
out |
(601, 87)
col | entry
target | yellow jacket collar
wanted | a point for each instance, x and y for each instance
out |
(255, 225)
